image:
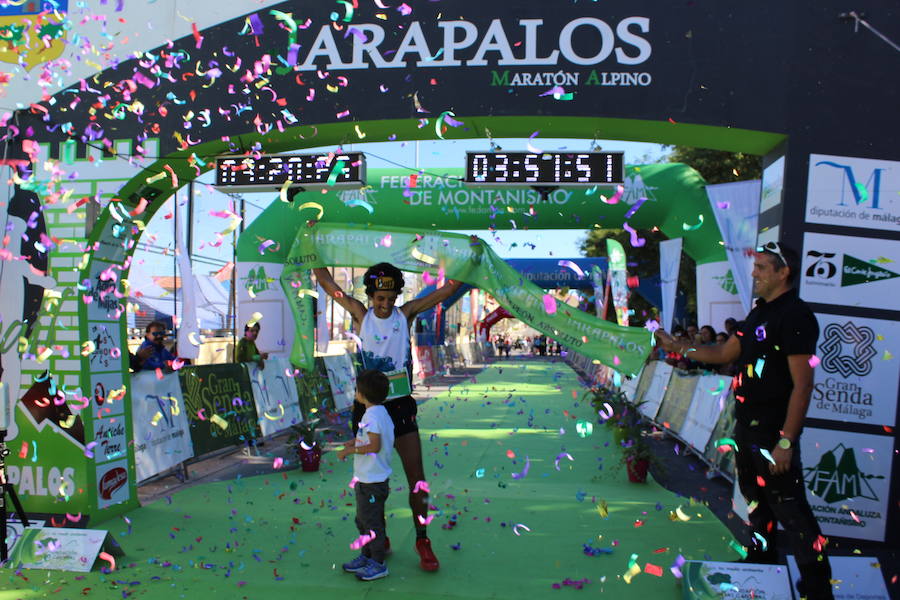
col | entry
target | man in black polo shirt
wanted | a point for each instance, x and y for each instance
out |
(772, 389)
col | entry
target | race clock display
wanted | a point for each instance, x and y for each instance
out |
(545, 168)
(308, 171)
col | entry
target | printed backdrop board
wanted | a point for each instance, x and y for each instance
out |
(677, 400)
(850, 271)
(63, 549)
(860, 577)
(219, 406)
(709, 400)
(275, 395)
(656, 391)
(160, 423)
(717, 295)
(848, 480)
(858, 377)
(853, 192)
(735, 581)
(342, 377)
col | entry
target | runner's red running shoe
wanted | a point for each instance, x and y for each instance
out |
(428, 560)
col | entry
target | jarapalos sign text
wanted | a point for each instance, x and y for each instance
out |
(582, 42)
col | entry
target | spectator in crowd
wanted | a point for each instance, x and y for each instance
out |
(721, 337)
(707, 335)
(693, 333)
(152, 354)
(246, 350)
(731, 326)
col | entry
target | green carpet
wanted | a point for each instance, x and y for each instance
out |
(285, 535)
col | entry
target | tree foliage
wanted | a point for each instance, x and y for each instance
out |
(643, 261)
(717, 166)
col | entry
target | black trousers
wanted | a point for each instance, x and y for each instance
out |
(780, 499)
(370, 499)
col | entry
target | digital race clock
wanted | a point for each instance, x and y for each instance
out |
(545, 168)
(270, 172)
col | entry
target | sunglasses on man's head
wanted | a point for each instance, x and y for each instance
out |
(774, 248)
(158, 333)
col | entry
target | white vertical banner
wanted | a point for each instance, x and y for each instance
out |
(189, 323)
(669, 265)
(323, 332)
(717, 296)
(736, 208)
(257, 290)
(275, 395)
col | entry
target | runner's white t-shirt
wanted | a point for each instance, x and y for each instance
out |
(385, 342)
(374, 468)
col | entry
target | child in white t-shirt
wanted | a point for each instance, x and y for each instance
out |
(373, 449)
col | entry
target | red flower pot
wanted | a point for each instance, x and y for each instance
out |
(310, 456)
(637, 469)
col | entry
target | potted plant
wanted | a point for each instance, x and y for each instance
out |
(306, 444)
(637, 456)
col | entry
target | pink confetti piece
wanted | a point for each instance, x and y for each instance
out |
(549, 304)
(353, 482)
(426, 520)
(421, 486)
(108, 558)
(814, 361)
(404, 9)
(510, 454)
(614, 199)
(278, 463)
(362, 540)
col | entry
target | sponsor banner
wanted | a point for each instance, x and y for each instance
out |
(711, 395)
(858, 577)
(258, 290)
(111, 439)
(61, 548)
(772, 185)
(735, 581)
(717, 295)
(677, 400)
(15, 528)
(724, 428)
(159, 423)
(219, 406)
(669, 265)
(107, 356)
(858, 376)
(105, 293)
(342, 378)
(736, 207)
(112, 483)
(656, 391)
(850, 271)
(274, 394)
(644, 381)
(853, 192)
(107, 394)
(848, 478)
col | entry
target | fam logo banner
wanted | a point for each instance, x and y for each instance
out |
(857, 378)
(850, 271)
(853, 192)
(848, 481)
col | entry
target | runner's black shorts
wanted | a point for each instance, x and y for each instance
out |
(402, 411)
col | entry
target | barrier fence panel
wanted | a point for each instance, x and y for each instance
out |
(711, 396)
(160, 424)
(341, 379)
(723, 460)
(219, 405)
(657, 390)
(275, 395)
(644, 382)
(677, 400)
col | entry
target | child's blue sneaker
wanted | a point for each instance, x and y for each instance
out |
(372, 570)
(356, 565)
